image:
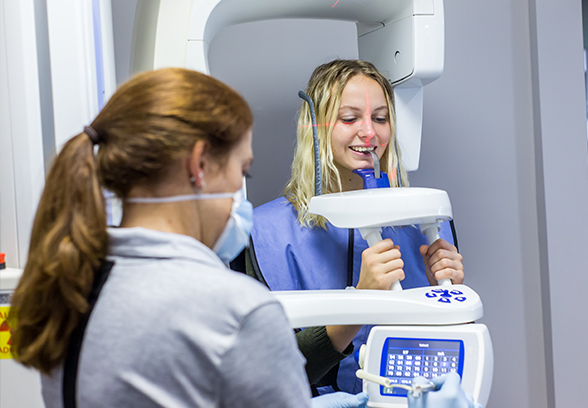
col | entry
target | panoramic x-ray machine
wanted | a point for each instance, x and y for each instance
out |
(423, 331)
(403, 38)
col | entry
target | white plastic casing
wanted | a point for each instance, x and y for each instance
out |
(478, 358)
(382, 207)
(431, 305)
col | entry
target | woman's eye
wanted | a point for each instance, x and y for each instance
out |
(348, 120)
(381, 120)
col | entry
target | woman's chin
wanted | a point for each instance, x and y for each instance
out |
(360, 165)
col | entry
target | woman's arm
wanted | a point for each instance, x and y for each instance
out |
(317, 347)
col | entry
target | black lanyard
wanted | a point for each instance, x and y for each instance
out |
(70, 366)
(350, 249)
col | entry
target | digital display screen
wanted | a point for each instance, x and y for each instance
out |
(403, 359)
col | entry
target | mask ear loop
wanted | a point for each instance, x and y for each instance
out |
(318, 180)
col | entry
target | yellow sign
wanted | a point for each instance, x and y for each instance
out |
(5, 335)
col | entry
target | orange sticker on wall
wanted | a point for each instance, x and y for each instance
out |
(5, 335)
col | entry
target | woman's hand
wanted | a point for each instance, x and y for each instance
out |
(381, 266)
(442, 261)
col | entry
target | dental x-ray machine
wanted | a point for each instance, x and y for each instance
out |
(403, 38)
(423, 331)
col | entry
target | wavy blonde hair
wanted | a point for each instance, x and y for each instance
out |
(149, 123)
(325, 88)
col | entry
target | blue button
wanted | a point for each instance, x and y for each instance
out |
(430, 295)
(444, 300)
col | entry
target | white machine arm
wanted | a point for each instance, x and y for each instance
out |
(432, 306)
(371, 209)
(404, 39)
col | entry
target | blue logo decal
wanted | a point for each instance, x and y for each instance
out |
(446, 295)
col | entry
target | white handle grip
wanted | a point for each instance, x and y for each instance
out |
(364, 375)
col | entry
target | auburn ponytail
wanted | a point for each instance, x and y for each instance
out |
(68, 242)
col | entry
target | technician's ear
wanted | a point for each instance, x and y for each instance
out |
(198, 162)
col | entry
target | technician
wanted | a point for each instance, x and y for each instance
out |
(292, 249)
(172, 326)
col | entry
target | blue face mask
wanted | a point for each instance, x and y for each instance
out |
(235, 235)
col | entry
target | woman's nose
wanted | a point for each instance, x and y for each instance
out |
(366, 129)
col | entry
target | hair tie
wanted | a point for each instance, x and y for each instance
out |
(92, 134)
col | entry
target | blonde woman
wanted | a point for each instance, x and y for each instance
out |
(292, 249)
(170, 325)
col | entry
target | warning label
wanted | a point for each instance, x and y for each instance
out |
(5, 335)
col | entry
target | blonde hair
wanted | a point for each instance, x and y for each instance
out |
(325, 88)
(149, 123)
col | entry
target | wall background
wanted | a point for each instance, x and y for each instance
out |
(504, 133)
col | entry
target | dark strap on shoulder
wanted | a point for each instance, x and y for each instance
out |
(70, 366)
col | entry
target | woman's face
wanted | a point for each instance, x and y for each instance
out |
(362, 125)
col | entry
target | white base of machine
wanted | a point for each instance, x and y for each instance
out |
(471, 357)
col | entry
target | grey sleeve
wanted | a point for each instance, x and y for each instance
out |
(264, 368)
(313, 342)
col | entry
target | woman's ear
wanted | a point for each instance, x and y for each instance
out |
(197, 163)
